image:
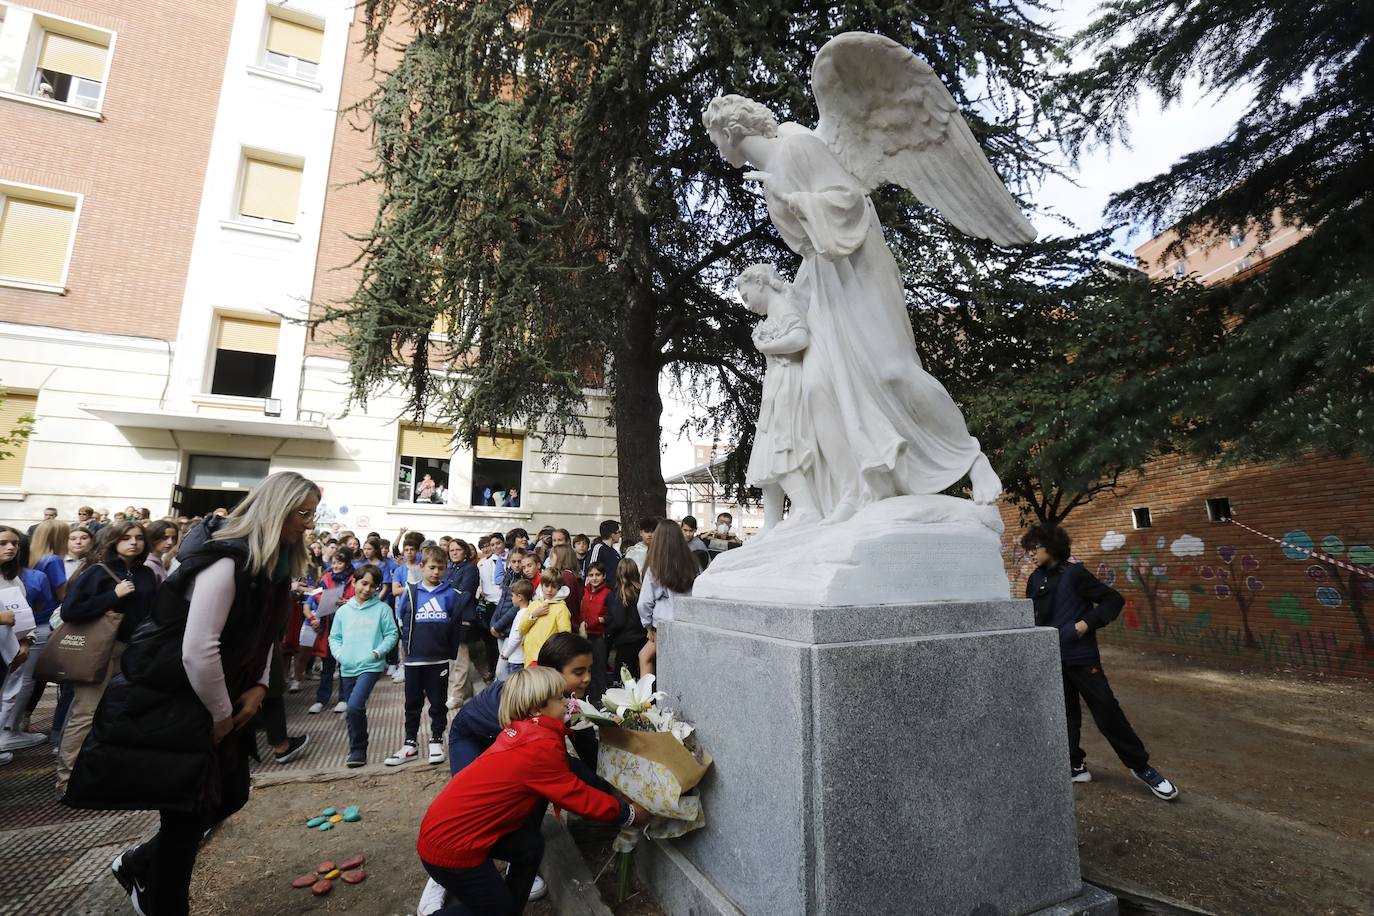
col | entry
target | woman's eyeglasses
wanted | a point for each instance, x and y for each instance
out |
(305, 515)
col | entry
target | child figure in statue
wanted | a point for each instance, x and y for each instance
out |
(784, 443)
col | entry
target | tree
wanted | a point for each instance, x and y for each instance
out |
(549, 197)
(1303, 149)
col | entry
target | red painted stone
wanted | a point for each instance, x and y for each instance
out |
(356, 876)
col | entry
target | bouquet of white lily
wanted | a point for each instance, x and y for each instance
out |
(651, 757)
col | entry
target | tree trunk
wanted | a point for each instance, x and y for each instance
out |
(638, 417)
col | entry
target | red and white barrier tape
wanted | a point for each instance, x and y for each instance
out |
(1314, 554)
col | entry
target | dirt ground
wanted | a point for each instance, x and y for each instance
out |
(248, 864)
(1275, 813)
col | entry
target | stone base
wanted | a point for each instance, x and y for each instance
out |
(896, 759)
(682, 889)
(904, 550)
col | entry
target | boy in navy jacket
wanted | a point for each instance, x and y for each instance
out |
(1073, 601)
(431, 623)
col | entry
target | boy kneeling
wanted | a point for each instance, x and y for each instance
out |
(493, 807)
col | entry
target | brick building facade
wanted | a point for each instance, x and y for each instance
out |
(1200, 585)
(176, 189)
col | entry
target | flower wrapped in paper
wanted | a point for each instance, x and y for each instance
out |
(651, 757)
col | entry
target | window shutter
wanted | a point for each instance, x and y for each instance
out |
(505, 448)
(73, 56)
(34, 236)
(11, 409)
(427, 442)
(247, 336)
(294, 40)
(270, 190)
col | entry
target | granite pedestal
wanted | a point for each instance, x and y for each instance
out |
(902, 759)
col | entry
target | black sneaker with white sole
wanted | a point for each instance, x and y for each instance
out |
(294, 746)
(133, 885)
(1157, 783)
(1080, 773)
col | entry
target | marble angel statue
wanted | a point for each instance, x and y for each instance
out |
(882, 426)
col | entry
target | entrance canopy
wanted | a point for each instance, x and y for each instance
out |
(248, 425)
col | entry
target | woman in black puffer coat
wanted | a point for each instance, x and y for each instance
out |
(166, 736)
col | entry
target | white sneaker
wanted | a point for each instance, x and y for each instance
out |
(431, 899)
(407, 753)
(17, 741)
(341, 706)
(436, 752)
(293, 686)
(6, 757)
(538, 889)
(399, 676)
(391, 672)
(315, 708)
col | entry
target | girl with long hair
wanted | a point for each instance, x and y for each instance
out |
(563, 559)
(46, 550)
(112, 580)
(624, 632)
(162, 546)
(669, 571)
(192, 678)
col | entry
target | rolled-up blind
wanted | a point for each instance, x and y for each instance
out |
(12, 408)
(247, 335)
(506, 448)
(294, 40)
(270, 190)
(426, 442)
(73, 56)
(34, 236)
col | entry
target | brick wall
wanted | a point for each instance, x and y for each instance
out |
(350, 207)
(1218, 591)
(141, 167)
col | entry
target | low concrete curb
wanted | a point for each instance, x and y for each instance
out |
(571, 888)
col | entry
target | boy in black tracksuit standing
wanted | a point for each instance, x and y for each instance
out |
(1074, 602)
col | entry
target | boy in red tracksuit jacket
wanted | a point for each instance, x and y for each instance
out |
(485, 810)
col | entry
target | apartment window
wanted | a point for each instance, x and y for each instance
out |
(70, 68)
(36, 229)
(245, 357)
(13, 408)
(1180, 270)
(292, 47)
(1241, 265)
(1237, 238)
(270, 189)
(1140, 517)
(425, 456)
(498, 467)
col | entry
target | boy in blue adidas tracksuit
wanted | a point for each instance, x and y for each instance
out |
(429, 615)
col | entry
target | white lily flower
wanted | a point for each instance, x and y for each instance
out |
(586, 715)
(633, 695)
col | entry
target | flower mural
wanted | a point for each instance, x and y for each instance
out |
(1234, 577)
(1336, 586)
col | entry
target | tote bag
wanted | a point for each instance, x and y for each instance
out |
(80, 652)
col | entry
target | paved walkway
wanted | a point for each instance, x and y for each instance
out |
(55, 855)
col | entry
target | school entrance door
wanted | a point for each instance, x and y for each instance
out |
(217, 481)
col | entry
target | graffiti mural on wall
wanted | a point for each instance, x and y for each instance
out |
(1182, 591)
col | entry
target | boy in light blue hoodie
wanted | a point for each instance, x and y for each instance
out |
(364, 631)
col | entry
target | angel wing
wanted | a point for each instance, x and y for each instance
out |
(888, 118)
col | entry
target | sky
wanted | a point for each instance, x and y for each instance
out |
(1158, 139)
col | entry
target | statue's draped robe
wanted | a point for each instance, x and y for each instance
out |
(900, 432)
